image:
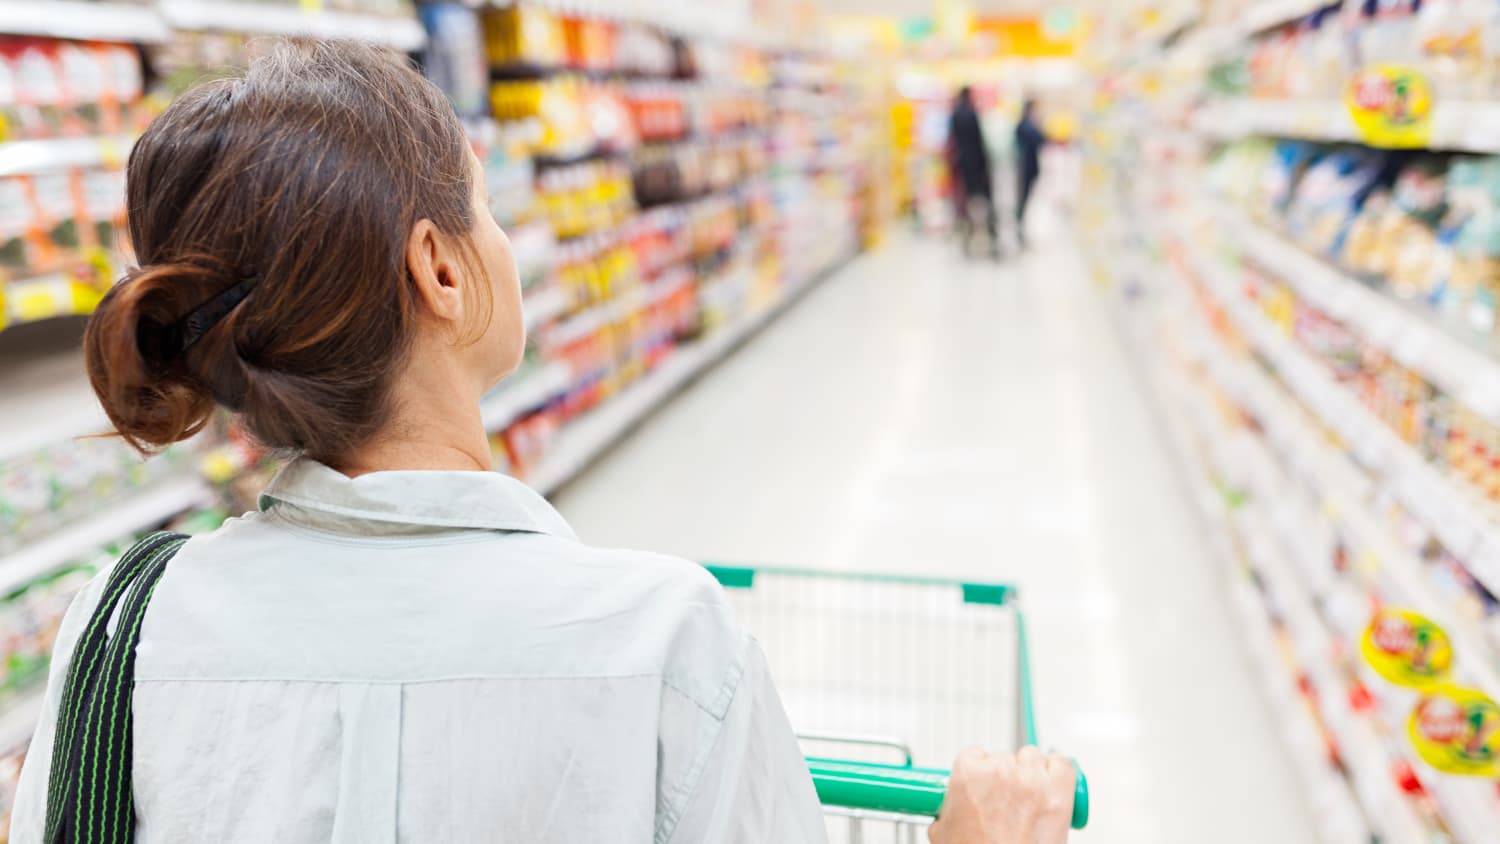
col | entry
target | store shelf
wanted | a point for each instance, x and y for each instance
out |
(120, 22)
(1286, 554)
(18, 718)
(586, 438)
(543, 307)
(48, 401)
(1398, 580)
(1458, 367)
(401, 33)
(508, 402)
(1334, 805)
(1358, 742)
(48, 297)
(1266, 14)
(1456, 126)
(142, 510)
(1333, 802)
(1464, 523)
(1416, 485)
(22, 157)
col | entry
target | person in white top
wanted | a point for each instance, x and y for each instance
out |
(402, 645)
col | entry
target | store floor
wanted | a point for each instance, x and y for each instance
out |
(917, 413)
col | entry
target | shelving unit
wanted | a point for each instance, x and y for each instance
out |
(519, 395)
(140, 511)
(134, 22)
(1461, 365)
(18, 157)
(543, 307)
(1195, 434)
(1255, 17)
(1342, 495)
(1456, 126)
(18, 719)
(1466, 525)
(1315, 316)
(1267, 493)
(588, 437)
(1344, 486)
(59, 404)
(401, 32)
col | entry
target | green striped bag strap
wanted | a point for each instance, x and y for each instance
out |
(88, 792)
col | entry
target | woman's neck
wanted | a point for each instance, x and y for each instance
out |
(416, 455)
(437, 426)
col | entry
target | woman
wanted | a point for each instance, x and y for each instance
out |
(969, 162)
(400, 644)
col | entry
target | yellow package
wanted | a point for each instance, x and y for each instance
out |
(1457, 731)
(1406, 648)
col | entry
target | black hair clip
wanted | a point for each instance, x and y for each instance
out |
(201, 321)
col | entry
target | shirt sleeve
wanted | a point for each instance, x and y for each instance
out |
(28, 818)
(753, 784)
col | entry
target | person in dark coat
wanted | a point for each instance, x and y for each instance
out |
(969, 161)
(1029, 142)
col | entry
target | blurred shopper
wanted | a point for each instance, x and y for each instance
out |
(400, 644)
(1029, 142)
(969, 162)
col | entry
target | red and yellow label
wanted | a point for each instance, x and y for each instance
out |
(1392, 106)
(1457, 731)
(1406, 648)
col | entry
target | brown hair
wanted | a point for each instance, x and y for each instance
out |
(301, 179)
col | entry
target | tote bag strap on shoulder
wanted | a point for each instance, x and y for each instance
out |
(88, 791)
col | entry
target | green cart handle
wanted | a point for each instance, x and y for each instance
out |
(903, 790)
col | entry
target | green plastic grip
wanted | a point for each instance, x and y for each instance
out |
(1080, 799)
(902, 790)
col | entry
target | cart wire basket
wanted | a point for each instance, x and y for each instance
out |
(887, 678)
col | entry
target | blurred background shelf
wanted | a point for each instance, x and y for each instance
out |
(399, 31)
(585, 439)
(1456, 126)
(18, 718)
(133, 22)
(140, 511)
(38, 156)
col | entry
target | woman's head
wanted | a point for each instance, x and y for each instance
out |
(321, 223)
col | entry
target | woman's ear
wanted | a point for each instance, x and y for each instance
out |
(436, 272)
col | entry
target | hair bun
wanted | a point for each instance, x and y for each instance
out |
(131, 353)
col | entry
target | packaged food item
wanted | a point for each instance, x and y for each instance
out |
(524, 34)
(17, 219)
(56, 196)
(1325, 198)
(454, 57)
(38, 86)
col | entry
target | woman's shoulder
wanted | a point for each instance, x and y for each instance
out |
(683, 615)
(673, 578)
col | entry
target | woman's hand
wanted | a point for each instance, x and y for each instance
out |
(1006, 798)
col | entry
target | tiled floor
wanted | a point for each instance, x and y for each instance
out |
(920, 414)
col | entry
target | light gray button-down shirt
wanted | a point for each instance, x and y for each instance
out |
(434, 657)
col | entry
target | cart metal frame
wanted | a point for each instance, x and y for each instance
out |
(901, 793)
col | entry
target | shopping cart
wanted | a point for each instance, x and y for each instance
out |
(886, 678)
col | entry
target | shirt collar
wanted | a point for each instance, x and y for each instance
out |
(419, 499)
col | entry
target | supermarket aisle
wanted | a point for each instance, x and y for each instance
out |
(916, 413)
